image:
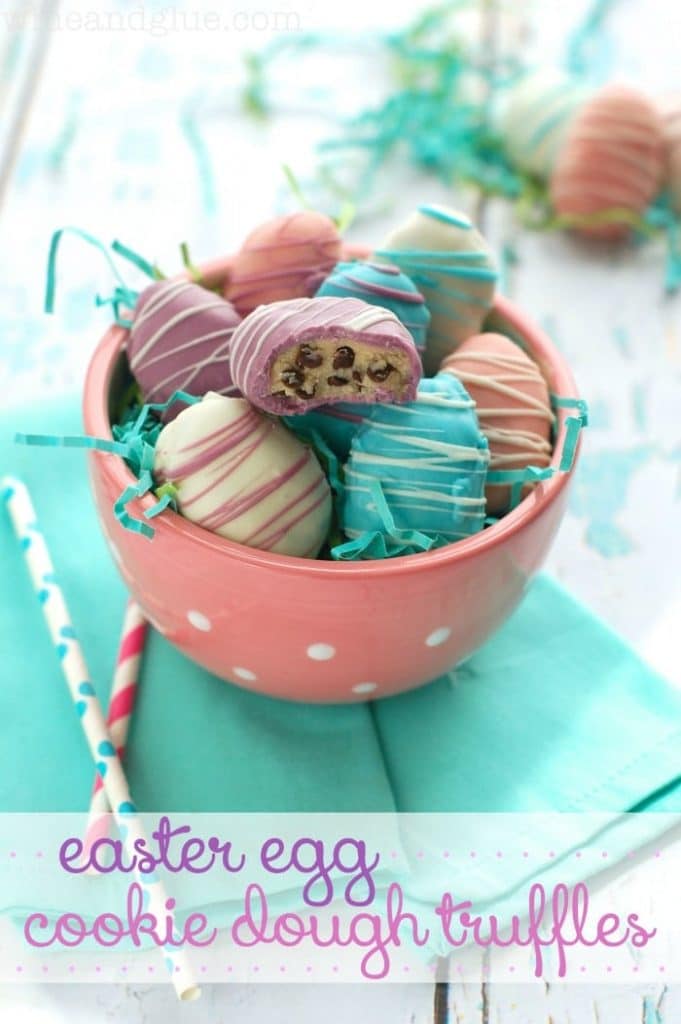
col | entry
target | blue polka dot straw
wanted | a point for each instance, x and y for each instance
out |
(16, 498)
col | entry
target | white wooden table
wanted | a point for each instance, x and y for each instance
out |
(139, 136)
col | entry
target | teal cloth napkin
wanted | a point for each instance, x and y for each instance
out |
(554, 713)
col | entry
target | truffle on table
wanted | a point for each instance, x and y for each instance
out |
(292, 356)
(535, 117)
(611, 164)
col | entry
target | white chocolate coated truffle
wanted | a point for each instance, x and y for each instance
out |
(535, 116)
(244, 476)
(452, 266)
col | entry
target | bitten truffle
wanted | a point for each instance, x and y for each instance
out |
(291, 356)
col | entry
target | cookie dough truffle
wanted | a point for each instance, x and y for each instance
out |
(291, 356)
(513, 405)
(452, 265)
(429, 460)
(612, 162)
(284, 258)
(535, 118)
(382, 284)
(179, 341)
(245, 476)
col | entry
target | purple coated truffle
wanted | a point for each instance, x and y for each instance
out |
(180, 340)
(294, 355)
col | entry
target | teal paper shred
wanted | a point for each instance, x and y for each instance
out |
(67, 134)
(579, 404)
(573, 426)
(391, 541)
(164, 502)
(329, 462)
(134, 441)
(122, 297)
(429, 115)
(190, 129)
(388, 542)
(518, 478)
(76, 441)
(138, 490)
(662, 217)
(589, 50)
(119, 299)
(527, 475)
(430, 120)
(151, 270)
(50, 286)
(327, 458)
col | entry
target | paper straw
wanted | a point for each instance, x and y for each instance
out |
(89, 710)
(121, 705)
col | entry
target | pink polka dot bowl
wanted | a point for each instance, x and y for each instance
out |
(323, 631)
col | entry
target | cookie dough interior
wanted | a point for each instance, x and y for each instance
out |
(339, 367)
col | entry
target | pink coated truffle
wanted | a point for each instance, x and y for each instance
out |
(612, 160)
(292, 356)
(512, 403)
(180, 340)
(285, 258)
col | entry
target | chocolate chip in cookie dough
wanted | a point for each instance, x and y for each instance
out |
(309, 358)
(307, 392)
(380, 371)
(344, 358)
(336, 381)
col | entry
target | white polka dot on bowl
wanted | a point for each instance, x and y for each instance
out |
(438, 636)
(244, 673)
(199, 621)
(365, 688)
(321, 652)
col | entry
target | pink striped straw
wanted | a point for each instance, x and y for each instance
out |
(121, 704)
